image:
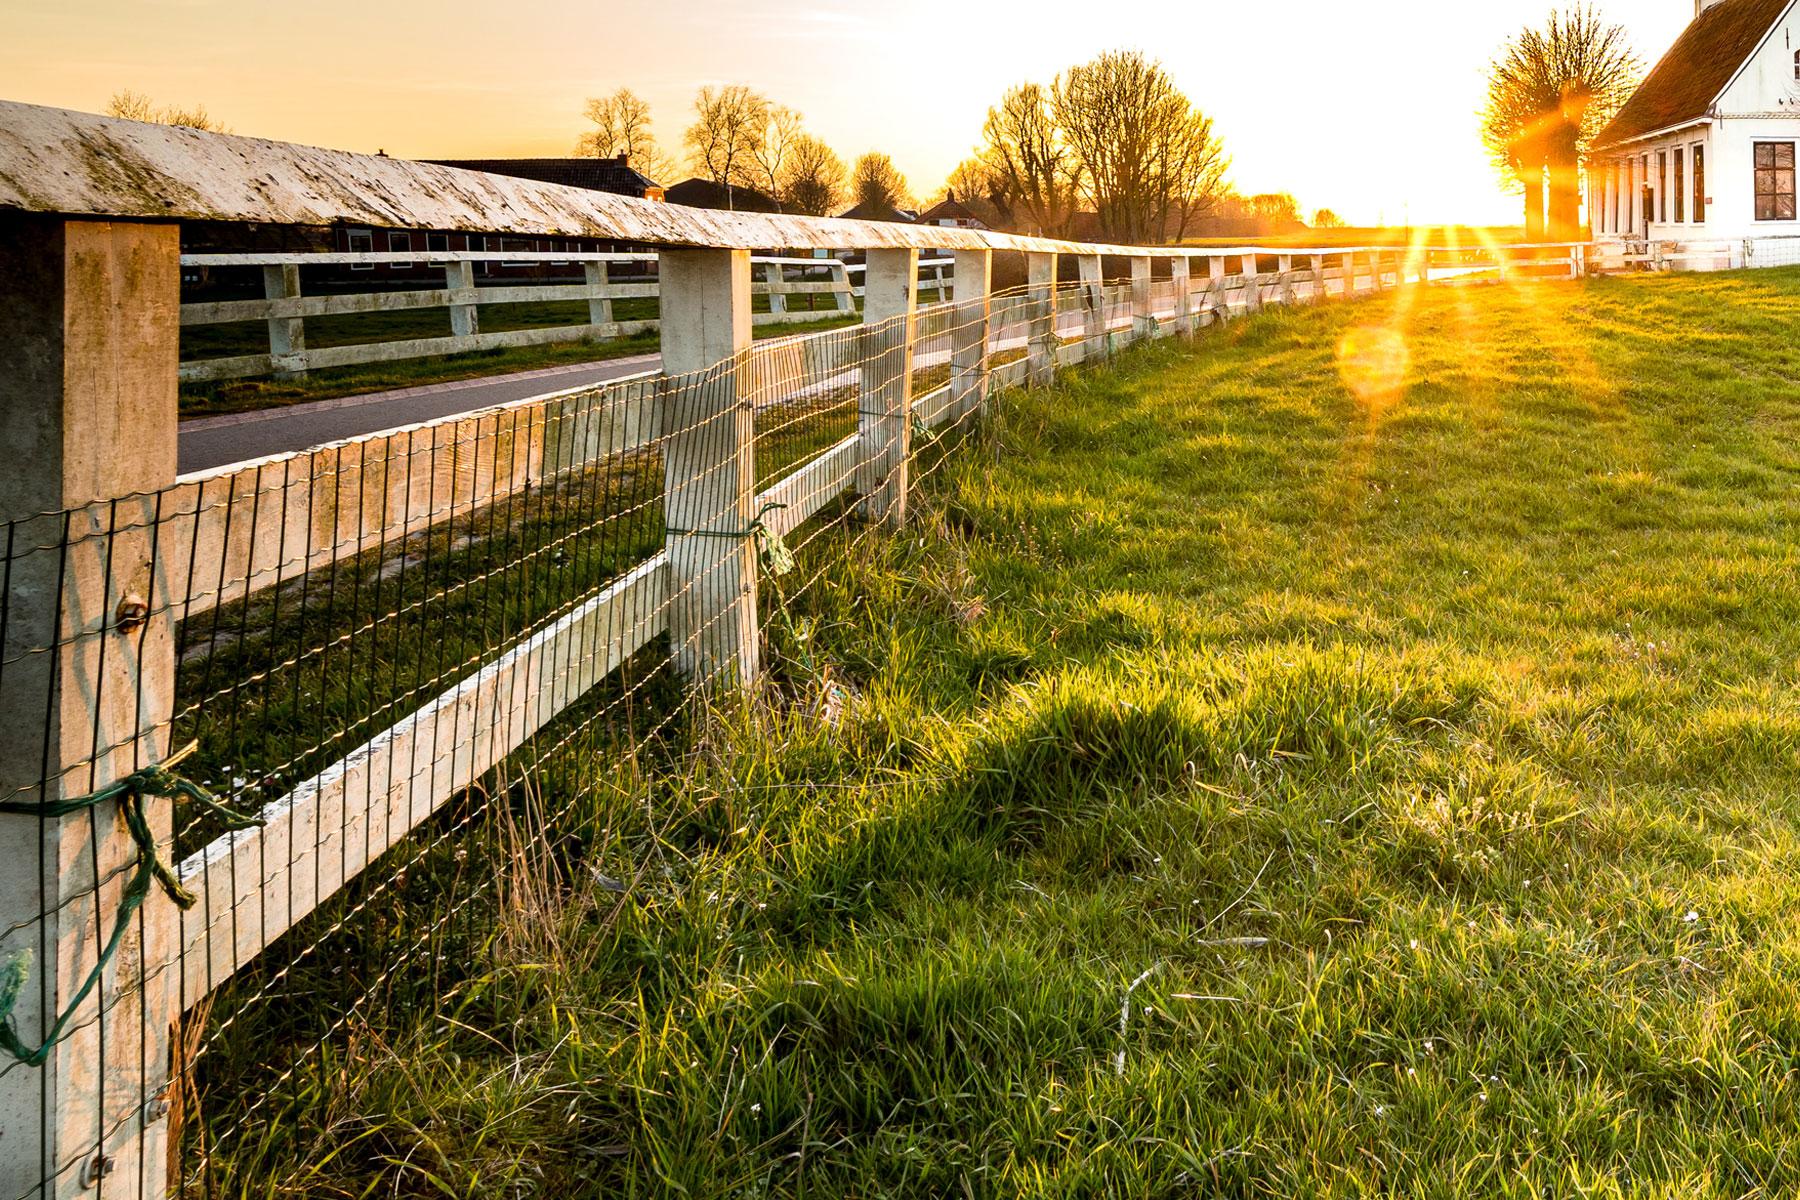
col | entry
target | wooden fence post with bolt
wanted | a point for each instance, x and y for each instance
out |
(88, 355)
(969, 339)
(287, 334)
(1143, 292)
(1093, 308)
(1182, 281)
(1040, 329)
(884, 411)
(709, 466)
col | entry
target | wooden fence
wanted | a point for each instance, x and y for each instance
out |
(284, 308)
(118, 572)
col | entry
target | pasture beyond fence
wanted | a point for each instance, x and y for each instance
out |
(277, 734)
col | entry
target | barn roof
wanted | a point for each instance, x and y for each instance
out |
(1697, 68)
(614, 175)
(704, 193)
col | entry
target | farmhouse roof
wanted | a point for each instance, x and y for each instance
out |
(1696, 70)
(704, 193)
(614, 175)
(948, 209)
(875, 211)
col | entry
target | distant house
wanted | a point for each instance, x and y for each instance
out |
(1705, 149)
(876, 211)
(704, 193)
(951, 213)
(614, 175)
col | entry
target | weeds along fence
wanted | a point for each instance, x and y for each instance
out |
(615, 296)
(285, 743)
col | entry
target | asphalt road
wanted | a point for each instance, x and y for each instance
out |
(208, 442)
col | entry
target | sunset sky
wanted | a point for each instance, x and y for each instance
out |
(1368, 108)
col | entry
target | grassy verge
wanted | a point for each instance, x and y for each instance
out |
(1391, 706)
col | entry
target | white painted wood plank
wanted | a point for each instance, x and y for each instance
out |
(256, 884)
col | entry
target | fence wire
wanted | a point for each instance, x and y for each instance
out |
(414, 671)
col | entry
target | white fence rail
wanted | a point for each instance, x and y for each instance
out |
(285, 308)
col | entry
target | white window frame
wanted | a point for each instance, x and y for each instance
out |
(1794, 151)
(350, 236)
(406, 249)
(437, 237)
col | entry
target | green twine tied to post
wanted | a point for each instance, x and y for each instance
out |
(161, 781)
(770, 544)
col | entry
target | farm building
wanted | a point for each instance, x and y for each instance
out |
(1703, 152)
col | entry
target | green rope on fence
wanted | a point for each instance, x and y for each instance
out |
(160, 781)
(774, 549)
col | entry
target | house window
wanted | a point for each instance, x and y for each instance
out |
(1797, 64)
(1699, 185)
(360, 241)
(437, 241)
(399, 243)
(1774, 181)
(1678, 187)
(1662, 185)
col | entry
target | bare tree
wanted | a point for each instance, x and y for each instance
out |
(1037, 175)
(1192, 176)
(135, 106)
(812, 177)
(1550, 93)
(622, 128)
(1147, 155)
(728, 127)
(770, 150)
(876, 181)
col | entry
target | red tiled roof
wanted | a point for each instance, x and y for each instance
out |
(948, 209)
(1696, 69)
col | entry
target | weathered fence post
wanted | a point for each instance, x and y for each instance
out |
(845, 295)
(1316, 265)
(1041, 340)
(709, 465)
(600, 308)
(89, 335)
(465, 317)
(969, 338)
(1093, 307)
(884, 414)
(1215, 272)
(772, 277)
(1183, 283)
(1284, 265)
(287, 334)
(1143, 308)
(1252, 284)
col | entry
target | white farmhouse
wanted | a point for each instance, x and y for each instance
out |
(1702, 155)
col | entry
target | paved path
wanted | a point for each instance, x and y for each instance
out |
(207, 442)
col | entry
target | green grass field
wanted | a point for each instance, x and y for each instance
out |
(1393, 704)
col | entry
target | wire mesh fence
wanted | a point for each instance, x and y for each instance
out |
(365, 701)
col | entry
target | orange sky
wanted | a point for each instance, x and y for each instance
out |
(1366, 108)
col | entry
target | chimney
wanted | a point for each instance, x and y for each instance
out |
(1701, 6)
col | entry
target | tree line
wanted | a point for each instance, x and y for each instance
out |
(1113, 141)
(739, 139)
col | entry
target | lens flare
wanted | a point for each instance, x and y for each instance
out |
(1373, 362)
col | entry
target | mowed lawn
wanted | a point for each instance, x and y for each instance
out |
(1423, 751)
